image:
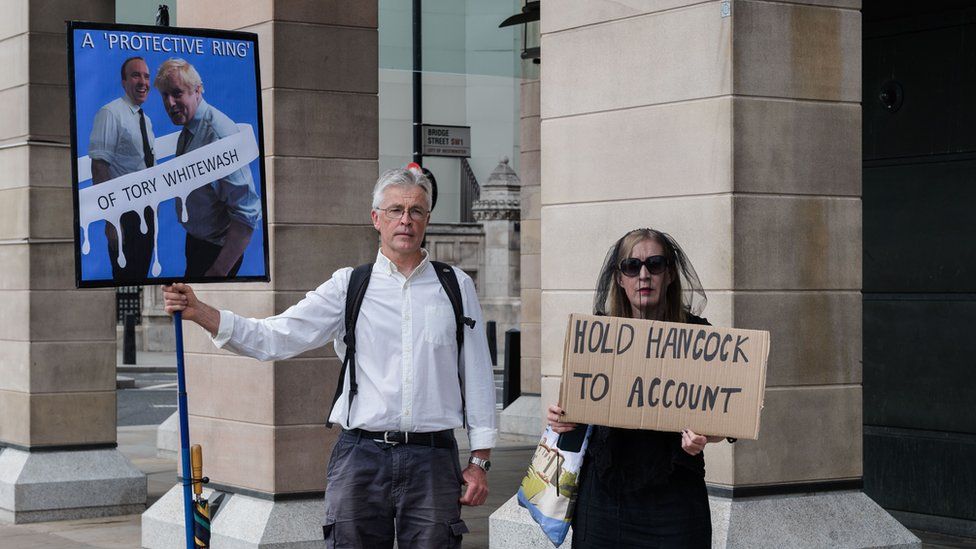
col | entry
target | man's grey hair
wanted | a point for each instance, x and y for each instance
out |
(181, 68)
(400, 177)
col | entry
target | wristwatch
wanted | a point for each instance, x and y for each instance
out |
(483, 463)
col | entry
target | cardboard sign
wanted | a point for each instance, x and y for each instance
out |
(665, 376)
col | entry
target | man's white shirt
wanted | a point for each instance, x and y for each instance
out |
(406, 351)
(116, 137)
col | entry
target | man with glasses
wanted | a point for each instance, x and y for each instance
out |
(396, 456)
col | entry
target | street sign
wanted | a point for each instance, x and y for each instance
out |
(446, 141)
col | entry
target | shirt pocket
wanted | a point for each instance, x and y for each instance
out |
(439, 324)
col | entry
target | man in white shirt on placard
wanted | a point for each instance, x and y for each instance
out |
(122, 142)
(396, 456)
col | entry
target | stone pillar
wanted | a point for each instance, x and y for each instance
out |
(736, 128)
(57, 344)
(157, 326)
(262, 425)
(498, 212)
(523, 416)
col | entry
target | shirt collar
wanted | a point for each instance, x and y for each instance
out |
(384, 264)
(128, 103)
(192, 125)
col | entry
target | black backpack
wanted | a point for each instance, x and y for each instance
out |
(358, 281)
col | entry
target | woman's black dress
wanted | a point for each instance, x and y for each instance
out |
(638, 488)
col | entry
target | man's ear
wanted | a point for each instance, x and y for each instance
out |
(376, 219)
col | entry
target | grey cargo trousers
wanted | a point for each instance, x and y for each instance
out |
(377, 491)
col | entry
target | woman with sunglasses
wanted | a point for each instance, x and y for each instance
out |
(643, 488)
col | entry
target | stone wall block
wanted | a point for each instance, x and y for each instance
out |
(67, 315)
(14, 111)
(302, 457)
(254, 304)
(529, 139)
(831, 416)
(679, 149)
(531, 375)
(797, 147)
(815, 337)
(66, 366)
(529, 98)
(14, 52)
(237, 453)
(328, 12)
(699, 224)
(224, 14)
(303, 390)
(51, 213)
(529, 276)
(256, 457)
(49, 112)
(807, 52)
(349, 50)
(807, 243)
(67, 10)
(16, 413)
(321, 190)
(530, 235)
(308, 254)
(530, 340)
(314, 123)
(46, 52)
(43, 315)
(232, 388)
(15, 365)
(72, 418)
(16, 261)
(628, 58)
(15, 213)
(556, 308)
(52, 265)
(569, 14)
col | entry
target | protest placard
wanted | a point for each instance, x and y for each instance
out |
(642, 374)
(168, 171)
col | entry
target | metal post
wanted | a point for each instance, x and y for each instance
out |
(490, 330)
(512, 383)
(129, 339)
(418, 98)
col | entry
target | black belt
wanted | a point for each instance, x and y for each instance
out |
(438, 439)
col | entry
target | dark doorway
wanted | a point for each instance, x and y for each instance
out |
(919, 107)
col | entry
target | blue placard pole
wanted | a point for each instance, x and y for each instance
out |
(184, 432)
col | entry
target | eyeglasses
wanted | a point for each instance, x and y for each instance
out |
(656, 264)
(396, 212)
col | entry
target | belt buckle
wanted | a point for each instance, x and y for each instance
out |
(386, 438)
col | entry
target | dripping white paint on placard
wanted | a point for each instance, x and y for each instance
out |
(176, 178)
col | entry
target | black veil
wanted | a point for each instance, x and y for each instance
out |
(693, 297)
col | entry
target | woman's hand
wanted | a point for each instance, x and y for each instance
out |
(693, 443)
(555, 420)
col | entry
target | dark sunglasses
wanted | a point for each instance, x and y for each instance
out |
(656, 264)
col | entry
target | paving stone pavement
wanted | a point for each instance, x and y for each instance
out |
(138, 444)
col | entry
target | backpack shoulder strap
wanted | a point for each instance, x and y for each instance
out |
(356, 291)
(449, 281)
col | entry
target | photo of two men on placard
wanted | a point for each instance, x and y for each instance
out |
(169, 171)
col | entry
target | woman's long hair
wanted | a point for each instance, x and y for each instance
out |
(683, 296)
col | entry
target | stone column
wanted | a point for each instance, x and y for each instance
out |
(262, 425)
(157, 326)
(57, 344)
(498, 212)
(523, 416)
(735, 127)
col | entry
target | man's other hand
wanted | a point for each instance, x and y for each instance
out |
(476, 480)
